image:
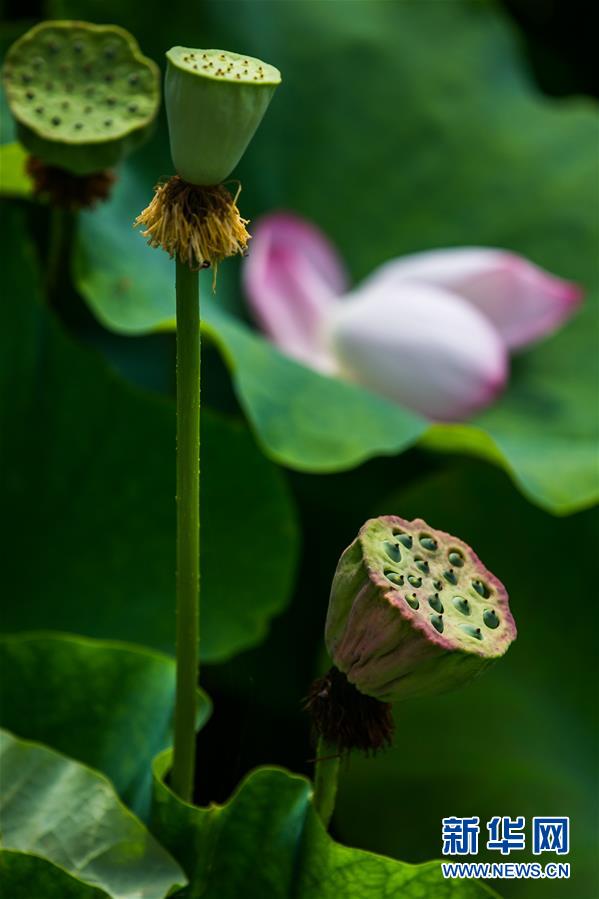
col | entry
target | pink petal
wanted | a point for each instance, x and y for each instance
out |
(523, 301)
(420, 346)
(292, 277)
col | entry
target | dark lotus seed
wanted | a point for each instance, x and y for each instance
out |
(133, 78)
(109, 77)
(422, 565)
(456, 558)
(450, 576)
(26, 78)
(39, 109)
(406, 540)
(438, 585)
(393, 551)
(415, 581)
(395, 578)
(108, 122)
(132, 107)
(78, 47)
(412, 601)
(435, 603)
(490, 618)
(55, 120)
(78, 126)
(462, 605)
(481, 588)
(30, 95)
(428, 543)
(437, 622)
(472, 631)
(111, 100)
(53, 47)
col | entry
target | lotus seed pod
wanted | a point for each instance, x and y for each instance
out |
(398, 631)
(215, 101)
(83, 96)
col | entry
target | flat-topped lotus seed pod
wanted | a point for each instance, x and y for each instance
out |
(215, 101)
(83, 95)
(413, 611)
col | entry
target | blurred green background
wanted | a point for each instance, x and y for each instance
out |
(400, 126)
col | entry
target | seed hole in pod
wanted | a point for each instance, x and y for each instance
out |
(26, 78)
(405, 539)
(428, 542)
(109, 51)
(462, 605)
(30, 95)
(107, 122)
(109, 77)
(491, 618)
(132, 107)
(437, 623)
(435, 603)
(456, 558)
(472, 631)
(450, 576)
(415, 581)
(422, 565)
(393, 551)
(52, 47)
(412, 601)
(39, 110)
(87, 110)
(481, 588)
(38, 63)
(78, 126)
(394, 577)
(55, 120)
(111, 101)
(65, 104)
(133, 78)
(78, 47)
(438, 585)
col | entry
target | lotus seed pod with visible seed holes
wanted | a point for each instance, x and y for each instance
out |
(398, 632)
(83, 96)
(215, 101)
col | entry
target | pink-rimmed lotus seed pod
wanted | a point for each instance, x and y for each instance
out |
(413, 611)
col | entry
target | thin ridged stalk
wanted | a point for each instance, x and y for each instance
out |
(188, 528)
(326, 776)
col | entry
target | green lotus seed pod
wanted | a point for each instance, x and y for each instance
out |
(83, 96)
(215, 101)
(397, 641)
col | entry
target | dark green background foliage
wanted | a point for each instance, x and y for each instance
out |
(401, 125)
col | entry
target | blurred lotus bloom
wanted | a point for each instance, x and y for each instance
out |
(431, 331)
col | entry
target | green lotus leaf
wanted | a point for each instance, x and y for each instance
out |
(62, 812)
(281, 848)
(88, 476)
(107, 705)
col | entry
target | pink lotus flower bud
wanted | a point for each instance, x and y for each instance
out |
(430, 331)
(524, 302)
(421, 346)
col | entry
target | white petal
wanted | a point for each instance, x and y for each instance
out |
(421, 346)
(523, 301)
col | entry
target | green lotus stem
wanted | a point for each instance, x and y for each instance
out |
(326, 776)
(188, 528)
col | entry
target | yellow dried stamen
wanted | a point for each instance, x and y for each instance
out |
(199, 226)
